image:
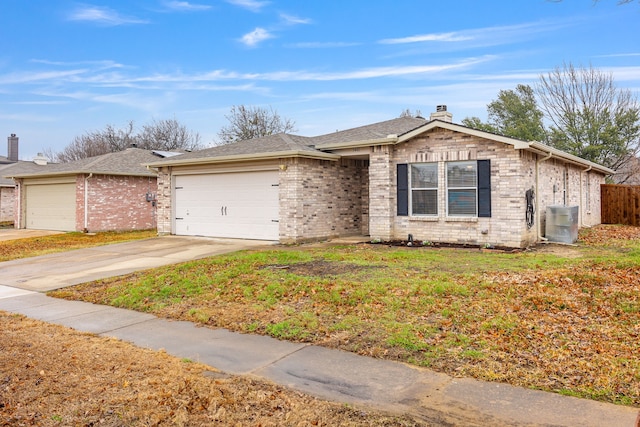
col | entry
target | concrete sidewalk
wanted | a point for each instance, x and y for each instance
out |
(335, 375)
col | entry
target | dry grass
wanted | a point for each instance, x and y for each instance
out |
(535, 319)
(53, 376)
(23, 248)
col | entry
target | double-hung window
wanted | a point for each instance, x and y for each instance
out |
(424, 189)
(466, 190)
(462, 189)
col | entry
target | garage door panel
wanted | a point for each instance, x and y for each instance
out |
(235, 205)
(51, 207)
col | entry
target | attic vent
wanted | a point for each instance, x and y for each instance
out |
(441, 108)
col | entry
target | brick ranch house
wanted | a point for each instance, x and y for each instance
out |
(111, 192)
(434, 179)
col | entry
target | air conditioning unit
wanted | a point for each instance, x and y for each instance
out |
(562, 224)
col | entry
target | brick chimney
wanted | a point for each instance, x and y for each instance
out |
(442, 114)
(12, 150)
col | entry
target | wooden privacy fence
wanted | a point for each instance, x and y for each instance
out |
(620, 204)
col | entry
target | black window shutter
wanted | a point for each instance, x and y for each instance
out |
(484, 188)
(403, 189)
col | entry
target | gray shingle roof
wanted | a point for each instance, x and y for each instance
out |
(379, 130)
(287, 143)
(127, 162)
(277, 143)
(12, 169)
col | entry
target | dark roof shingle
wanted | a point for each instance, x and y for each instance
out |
(398, 126)
(126, 162)
(277, 143)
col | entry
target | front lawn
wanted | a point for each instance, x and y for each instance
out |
(563, 319)
(34, 246)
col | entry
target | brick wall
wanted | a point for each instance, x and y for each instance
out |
(321, 199)
(566, 184)
(513, 172)
(507, 224)
(164, 202)
(7, 205)
(115, 203)
(382, 195)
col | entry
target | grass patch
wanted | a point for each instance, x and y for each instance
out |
(555, 318)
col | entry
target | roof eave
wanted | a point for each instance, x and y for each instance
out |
(389, 140)
(558, 154)
(247, 157)
(77, 172)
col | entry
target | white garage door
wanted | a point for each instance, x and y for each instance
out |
(51, 207)
(236, 205)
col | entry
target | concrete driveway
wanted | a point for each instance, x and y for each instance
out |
(48, 272)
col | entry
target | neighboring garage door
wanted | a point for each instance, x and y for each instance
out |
(51, 207)
(236, 205)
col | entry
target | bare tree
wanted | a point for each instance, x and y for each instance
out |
(407, 113)
(253, 122)
(590, 116)
(95, 143)
(159, 135)
(168, 134)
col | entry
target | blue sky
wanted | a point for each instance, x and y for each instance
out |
(69, 67)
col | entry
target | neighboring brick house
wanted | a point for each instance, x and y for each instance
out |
(112, 192)
(433, 179)
(7, 191)
(8, 186)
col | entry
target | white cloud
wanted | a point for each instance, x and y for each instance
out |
(367, 73)
(293, 20)
(484, 36)
(102, 15)
(439, 37)
(105, 64)
(256, 36)
(97, 76)
(185, 6)
(35, 76)
(618, 55)
(252, 5)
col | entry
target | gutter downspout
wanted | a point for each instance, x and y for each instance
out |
(86, 202)
(539, 224)
(582, 211)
